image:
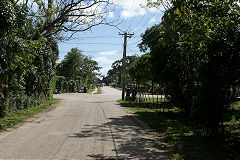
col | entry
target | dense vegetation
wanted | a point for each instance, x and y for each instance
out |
(26, 65)
(195, 53)
(115, 74)
(29, 32)
(185, 140)
(77, 71)
(193, 57)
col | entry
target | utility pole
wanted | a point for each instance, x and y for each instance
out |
(126, 35)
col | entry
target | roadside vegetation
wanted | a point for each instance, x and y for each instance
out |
(75, 72)
(99, 91)
(90, 90)
(14, 118)
(115, 74)
(192, 58)
(187, 140)
(29, 36)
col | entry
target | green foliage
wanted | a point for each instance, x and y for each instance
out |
(54, 82)
(90, 90)
(185, 139)
(26, 65)
(141, 70)
(78, 70)
(115, 74)
(195, 52)
(99, 91)
(21, 115)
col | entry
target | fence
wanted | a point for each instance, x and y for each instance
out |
(153, 98)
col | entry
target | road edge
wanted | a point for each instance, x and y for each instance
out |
(29, 119)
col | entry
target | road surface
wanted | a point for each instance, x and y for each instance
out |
(82, 126)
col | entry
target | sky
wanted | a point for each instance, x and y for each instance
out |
(104, 44)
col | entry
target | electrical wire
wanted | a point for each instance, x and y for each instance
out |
(141, 19)
(96, 43)
(147, 21)
(131, 17)
(133, 51)
(94, 51)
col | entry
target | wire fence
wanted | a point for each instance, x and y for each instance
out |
(151, 97)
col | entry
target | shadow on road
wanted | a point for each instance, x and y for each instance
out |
(130, 139)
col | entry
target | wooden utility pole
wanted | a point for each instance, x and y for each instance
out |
(126, 35)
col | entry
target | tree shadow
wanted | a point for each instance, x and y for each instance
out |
(188, 139)
(131, 140)
(197, 146)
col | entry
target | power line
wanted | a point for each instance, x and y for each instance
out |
(132, 16)
(147, 21)
(96, 43)
(102, 37)
(94, 51)
(142, 18)
(128, 14)
(147, 35)
(99, 37)
(133, 51)
(135, 42)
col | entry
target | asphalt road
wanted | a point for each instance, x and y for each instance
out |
(83, 126)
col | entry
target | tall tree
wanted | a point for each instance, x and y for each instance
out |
(197, 54)
(116, 72)
(76, 66)
(57, 18)
(141, 70)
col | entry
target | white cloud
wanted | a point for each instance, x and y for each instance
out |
(111, 15)
(152, 20)
(108, 53)
(132, 13)
(131, 8)
(134, 8)
(104, 60)
(104, 70)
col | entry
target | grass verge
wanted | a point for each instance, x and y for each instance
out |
(187, 142)
(90, 90)
(99, 91)
(21, 115)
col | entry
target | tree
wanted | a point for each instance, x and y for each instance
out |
(197, 55)
(29, 33)
(116, 72)
(75, 66)
(26, 65)
(141, 70)
(53, 17)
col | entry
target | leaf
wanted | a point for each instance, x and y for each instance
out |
(177, 11)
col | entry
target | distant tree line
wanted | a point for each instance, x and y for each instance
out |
(77, 71)
(114, 75)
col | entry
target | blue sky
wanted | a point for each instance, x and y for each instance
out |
(104, 44)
